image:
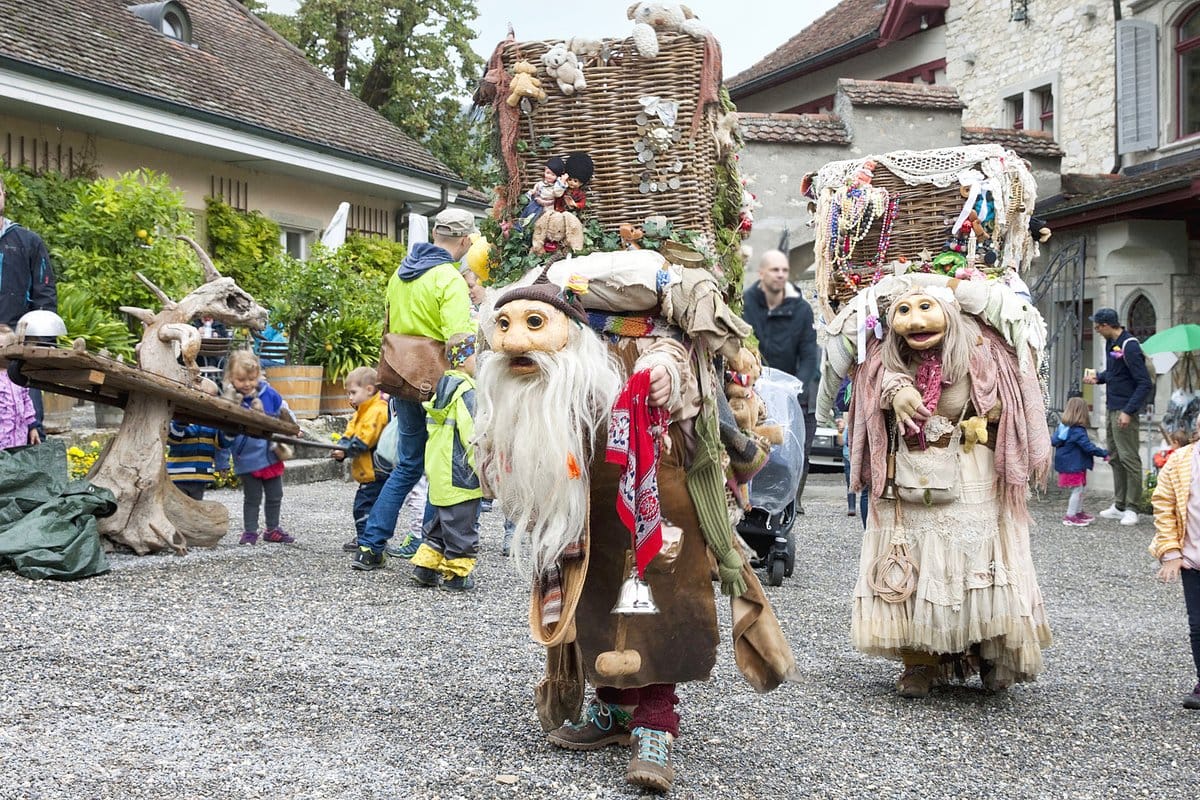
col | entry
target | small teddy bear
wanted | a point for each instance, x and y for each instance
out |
(649, 18)
(631, 235)
(563, 66)
(748, 407)
(557, 228)
(525, 83)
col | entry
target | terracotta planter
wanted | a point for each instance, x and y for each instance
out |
(300, 386)
(334, 401)
(56, 412)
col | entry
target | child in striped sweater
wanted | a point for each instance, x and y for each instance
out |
(192, 452)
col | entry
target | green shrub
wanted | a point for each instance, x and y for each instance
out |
(120, 226)
(101, 329)
(342, 344)
(241, 245)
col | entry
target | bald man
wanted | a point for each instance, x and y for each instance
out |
(787, 338)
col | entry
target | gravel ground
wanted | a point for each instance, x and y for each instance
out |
(276, 671)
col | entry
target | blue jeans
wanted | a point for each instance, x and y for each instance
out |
(364, 501)
(410, 464)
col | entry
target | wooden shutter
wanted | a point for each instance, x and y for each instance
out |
(1137, 86)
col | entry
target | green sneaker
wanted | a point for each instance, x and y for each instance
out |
(459, 583)
(408, 548)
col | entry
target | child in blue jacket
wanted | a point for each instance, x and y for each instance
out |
(254, 459)
(1073, 458)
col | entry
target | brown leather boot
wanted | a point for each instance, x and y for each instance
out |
(916, 681)
(601, 725)
(650, 765)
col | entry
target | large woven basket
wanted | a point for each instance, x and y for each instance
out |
(929, 202)
(601, 120)
(922, 219)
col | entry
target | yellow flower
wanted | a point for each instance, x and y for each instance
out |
(76, 452)
(94, 443)
(336, 437)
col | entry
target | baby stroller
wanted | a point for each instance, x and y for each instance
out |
(767, 526)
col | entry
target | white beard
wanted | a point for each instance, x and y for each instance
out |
(529, 427)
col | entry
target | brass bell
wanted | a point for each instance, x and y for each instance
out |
(634, 596)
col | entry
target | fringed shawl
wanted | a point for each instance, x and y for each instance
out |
(1023, 452)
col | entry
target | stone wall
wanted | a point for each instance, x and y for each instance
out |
(1065, 44)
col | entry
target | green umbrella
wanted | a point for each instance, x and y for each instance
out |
(1177, 339)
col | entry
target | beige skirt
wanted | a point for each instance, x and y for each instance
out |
(976, 583)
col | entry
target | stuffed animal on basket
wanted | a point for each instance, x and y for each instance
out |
(557, 228)
(563, 66)
(748, 407)
(650, 18)
(631, 235)
(525, 83)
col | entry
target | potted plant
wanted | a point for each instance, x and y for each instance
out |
(340, 345)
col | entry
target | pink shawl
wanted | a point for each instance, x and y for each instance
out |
(1023, 452)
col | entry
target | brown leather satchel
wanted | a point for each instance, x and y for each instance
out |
(411, 366)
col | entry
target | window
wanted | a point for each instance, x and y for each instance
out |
(1187, 57)
(1044, 98)
(295, 243)
(1031, 109)
(1014, 112)
(1143, 322)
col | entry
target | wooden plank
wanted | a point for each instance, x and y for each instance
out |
(121, 380)
(70, 377)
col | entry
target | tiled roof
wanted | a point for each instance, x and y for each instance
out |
(793, 128)
(1025, 143)
(474, 197)
(842, 24)
(894, 93)
(1084, 193)
(238, 70)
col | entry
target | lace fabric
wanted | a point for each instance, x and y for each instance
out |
(976, 583)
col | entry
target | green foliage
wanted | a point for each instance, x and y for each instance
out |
(348, 283)
(120, 226)
(240, 244)
(1146, 506)
(101, 329)
(409, 60)
(38, 201)
(342, 344)
(510, 257)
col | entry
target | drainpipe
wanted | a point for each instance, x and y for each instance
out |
(446, 191)
(1117, 160)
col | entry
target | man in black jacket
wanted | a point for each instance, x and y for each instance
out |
(787, 339)
(1128, 389)
(26, 280)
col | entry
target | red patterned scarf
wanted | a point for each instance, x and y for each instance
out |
(635, 432)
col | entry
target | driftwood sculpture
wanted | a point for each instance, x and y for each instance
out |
(151, 513)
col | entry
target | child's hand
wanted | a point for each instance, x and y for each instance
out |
(337, 455)
(34, 436)
(1169, 571)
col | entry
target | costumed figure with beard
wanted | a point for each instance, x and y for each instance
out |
(948, 432)
(583, 440)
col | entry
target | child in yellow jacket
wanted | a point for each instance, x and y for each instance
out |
(1177, 540)
(361, 437)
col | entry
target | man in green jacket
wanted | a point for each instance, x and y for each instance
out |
(427, 297)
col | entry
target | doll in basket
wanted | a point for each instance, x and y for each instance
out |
(579, 169)
(548, 192)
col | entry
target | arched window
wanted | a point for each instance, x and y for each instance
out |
(1143, 322)
(1187, 66)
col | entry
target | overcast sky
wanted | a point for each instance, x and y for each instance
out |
(747, 30)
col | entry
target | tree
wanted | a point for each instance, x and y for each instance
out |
(411, 60)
